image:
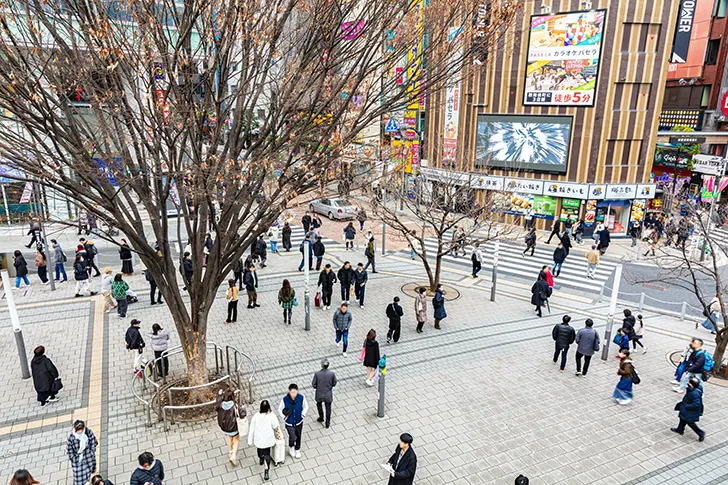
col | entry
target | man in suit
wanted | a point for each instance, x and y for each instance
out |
(324, 382)
(403, 462)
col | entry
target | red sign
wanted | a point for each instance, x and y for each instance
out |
(724, 104)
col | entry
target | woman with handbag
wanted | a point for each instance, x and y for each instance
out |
(264, 432)
(46, 379)
(623, 392)
(371, 356)
(287, 300)
(232, 420)
(540, 293)
(421, 308)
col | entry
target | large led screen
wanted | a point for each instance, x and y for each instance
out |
(517, 142)
(563, 58)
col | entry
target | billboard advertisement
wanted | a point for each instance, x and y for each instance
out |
(563, 58)
(682, 33)
(516, 142)
(538, 206)
(451, 122)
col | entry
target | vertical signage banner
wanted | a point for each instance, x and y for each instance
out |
(452, 107)
(684, 30)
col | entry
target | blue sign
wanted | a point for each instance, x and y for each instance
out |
(391, 126)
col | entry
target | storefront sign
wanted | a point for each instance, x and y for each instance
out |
(524, 186)
(538, 206)
(25, 197)
(621, 191)
(708, 164)
(692, 118)
(597, 191)
(489, 183)
(646, 191)
(561, 189)
(671, 159)
(724, 103)
(687, 140)
(570, 207)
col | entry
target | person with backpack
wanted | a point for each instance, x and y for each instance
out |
(59, 257)
(587, 342)
(680, 368)
(530, 241)
(229, 413)
(369, 252)
(91, 253)
(623, 392)
(477, 259)
(691, 408)
(540, 293)
(699, 364)
(563, 335)
(394, 314)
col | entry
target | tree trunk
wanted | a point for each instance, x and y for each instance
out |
(721, 340)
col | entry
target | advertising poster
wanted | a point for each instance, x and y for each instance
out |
(563, 58)
(638, 210)
(538, 206)
(590, 214)
(452, 109)
(570, 207)
(683, 31)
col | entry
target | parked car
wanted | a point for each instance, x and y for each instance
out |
(334, 208)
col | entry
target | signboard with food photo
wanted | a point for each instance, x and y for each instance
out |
(590, 213)
(538, 206)
(638, 210)
(570, 207)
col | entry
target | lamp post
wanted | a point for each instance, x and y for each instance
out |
(307, 291)
(612, 309)
(24, 370)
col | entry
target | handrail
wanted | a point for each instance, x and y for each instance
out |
(683, 305)
(239, 370)
(172, 407)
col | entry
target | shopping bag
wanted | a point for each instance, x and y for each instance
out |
(362, 354)
(317, 300)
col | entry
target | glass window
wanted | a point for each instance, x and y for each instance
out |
(706, 96)
(719, 9)
(711, 54)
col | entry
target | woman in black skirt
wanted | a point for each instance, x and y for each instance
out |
(125, 255)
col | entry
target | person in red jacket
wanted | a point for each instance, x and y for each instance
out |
(549, 276)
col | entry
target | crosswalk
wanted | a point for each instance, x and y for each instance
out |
(720, 235)
(512, 262)
(298, 235)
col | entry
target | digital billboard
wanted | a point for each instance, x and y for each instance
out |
(518, 142)
(563, 58)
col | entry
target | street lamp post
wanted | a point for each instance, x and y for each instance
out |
(24, 370)
(495, 270)
(612, 309)
(307, 291)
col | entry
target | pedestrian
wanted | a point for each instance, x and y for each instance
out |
(250, 280)
(119, 289)
(579, 232)
(287, 300)
(34, 232)
(623, 392)
(414, 245)
(342, 323)
(622, 339)
(262, 251)
(232, 298)
(592, 260)
(187, 269)
(699, 362)
(154, 291)
(563, 335)
(639, 332)
(306, 221)
(682, 365)
(565, 242)
(82, 222)
(134, 340)
(109, 301)
(691, 408)
(21, 269)
(45, 377)
(263, 434)
(318, 252)
(349, 235)
(149, 472)
(306, 242)
(371, 356)
(345, 275)
(568, 226)
(530, 241)
(540, 292)
(670, 231)
(628, 324)
(587, 342)
(711, 315)
(23, 477)
(207, 248)
(546, 270)
(559, 258)
(477, 259)
(324, 382)
(228, 416)
(125, 255)
(80, 274)
(521, 480)
(316, 224)
(91, 253)
(460, 235)
(293, 409)
(634, 232)
(273, 237)
(604, 240)
(81, 451)
(394, 314)
(438, 304)
(238, 270)
(421, 308)
(361, 216)
(42, 264)
(159, 338)
(287, 237)
(683, 233)
(555, 231)
(370, 254)
(60, 258)
(651, 243)
(403, 462)
(99, 480)
(360, 284)
(326, 281)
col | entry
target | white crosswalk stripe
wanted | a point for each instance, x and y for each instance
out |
(512, 262)
(298, 235)
(720, 235)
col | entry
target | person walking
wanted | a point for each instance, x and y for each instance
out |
(565, 242)
(23, 477)
(287, 300)
(81, 451)
(44, 374)
(91, 253)
(135, 341)
(711, 315)
(238, 270)
(691, 408)
(438, 305)
(119, 289)
(342, 323)
(80, 274)
(273, 234)
(540, 292)
(21, 269)
(530, 241)
(149, 472)
(682, 365)
(42, 264)
(403, 462)
(304, 243)
(639, 332)
(559, 258)
(34, 232)
(109, 301)
(60, 258)
(306, 222)
(326, 281)
(604, 240)
(369, 252)
(623, 392)
(587, 342)
(287, 236)
(579, 232)
(563, 335)
(349, 235)
(546, 270)
(250, 280)
(371, 356)
(477, 259)
(421, 308)
(555, 231)
(592, 260)
(228, 414)
(345, 275)
(324, 382)
(628, 324)
(696, 365)
(394, 314)
(360, 284)
(316, 224)
(361, 216)
(125, 256)
(153, 289)
(568, 226)
(293, 408)
(622, 340)
(209, 244)
(159, 339)
(232, 298)
(263, 434)
(651, 243)
(634, 232)
(187, 269)
(261, 250)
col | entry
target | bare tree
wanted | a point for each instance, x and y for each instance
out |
(229, 108)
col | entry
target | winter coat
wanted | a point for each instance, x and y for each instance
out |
(559, 255)
(350, 232)
(316, 222)
(361, 216)
(592, 256)
(124, 252)
(261, 433)
(628, 326)
(345, 276)
(306, 222)
(691, 407)
(154, 475)
(342, 321)
(44, 373)
(360, 277)
(21, 267)
(566, 242)
(133, 338)
(604, 238)
(540, 292)
(369, 251)
(327, 279)
(187, 267)
(286, 301)
(226, 418)
(421, 307)
(287, 237)
(549, 278)
(58, 254)
(260, 248)
(438, 303)
(696, 362)
(80, 271)
(371, 353)
(564, 335)
(318, 248)
(149, 277)
(324, 382)
(273, 234)
(83, 466)
(159, 342)
(250, 280)
(625, 368)
(40, 260)
(587, 341)
(91, 250)
(118, 289)
(298, 407)
(404, 467)
(394, 313)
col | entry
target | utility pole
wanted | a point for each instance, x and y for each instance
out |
(612, 309)
(307, 291)
(24, 370)
(495, 271)
(50, 255)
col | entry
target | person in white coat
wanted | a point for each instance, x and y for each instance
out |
(264, 429)
(273, 237)
(477, 259)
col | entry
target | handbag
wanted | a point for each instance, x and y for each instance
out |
(295, 302)
(677, 405)
(617, 339)
(362, 354)
(57, 385)
(242, 422)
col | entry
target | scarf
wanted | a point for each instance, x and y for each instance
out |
(82, 443)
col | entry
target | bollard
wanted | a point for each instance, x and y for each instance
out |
(601, 294)
(682, 311)
(642, 300)
(380, 404)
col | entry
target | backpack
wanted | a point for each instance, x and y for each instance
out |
(473, 258)
(709, 362)
(635, 376)
(63, 257)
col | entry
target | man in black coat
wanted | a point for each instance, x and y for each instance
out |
(560, 254)
(324, 382)
(555, 230)
(565, 242)
(250, 280)
(326, 281)
(318, 252)
(44, 375)
(394, 313)
(403, 462)
(346, 278)
(564, 335)
(261, 251)
(628, 324)
(306, 221)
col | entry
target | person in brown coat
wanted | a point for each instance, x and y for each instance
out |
(421, 308)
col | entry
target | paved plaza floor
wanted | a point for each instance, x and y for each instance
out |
(481, 396)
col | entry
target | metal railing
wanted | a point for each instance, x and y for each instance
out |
(237, 371)
(171, 408)
(643, 296)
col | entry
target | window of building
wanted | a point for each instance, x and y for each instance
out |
(711, 54)
(720, 7)
(694, 97)
(705, 98)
